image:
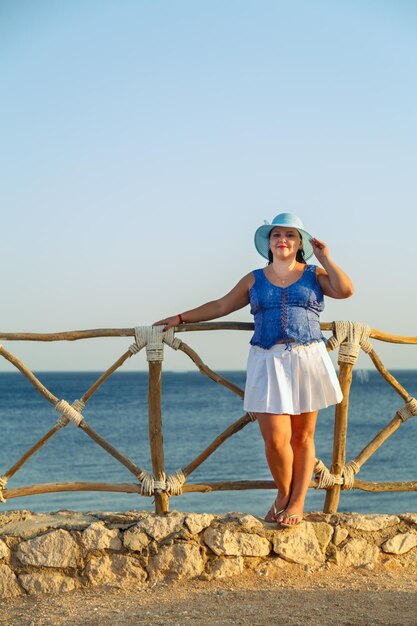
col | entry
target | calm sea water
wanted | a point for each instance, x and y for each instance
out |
(195, 410)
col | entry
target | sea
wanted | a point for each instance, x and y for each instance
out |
(194, 411)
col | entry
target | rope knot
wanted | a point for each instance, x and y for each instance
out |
(78, 405)
(151, 337)
(327, 480)
(349, 472)
(134, 348)
(408, 410)
(154, 338)
(69, 413)
(147, 483)
(141, 339)
(170, 339)
(350, 336)
(172, 484)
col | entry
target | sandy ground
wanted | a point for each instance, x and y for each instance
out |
(291, 597)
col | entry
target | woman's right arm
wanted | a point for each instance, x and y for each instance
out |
(236, 299)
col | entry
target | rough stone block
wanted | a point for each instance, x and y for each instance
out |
(324, 533)
(196, 522)
(231, 543)
(46, 582)
(135, 539)
(340, 534)
(180, 560)
(299, 545)
(224, 567)
(116, 570)
(400, 544)
(4, 551)
(371, 522)
(160, 527)
(358, 553)
(98, 537)
(54, 549)
(271, 567)
(9, 587)
(409, 559)
(31, 525)
(250, 523)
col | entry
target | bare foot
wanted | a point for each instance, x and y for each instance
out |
(276, 511)
(291, 519)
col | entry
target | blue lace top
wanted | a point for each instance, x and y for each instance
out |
(282, 313)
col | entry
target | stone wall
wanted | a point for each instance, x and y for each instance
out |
(56, 552)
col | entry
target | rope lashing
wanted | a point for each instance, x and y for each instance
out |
(69, 413)
(171, 484)
(171, 340)
(326, 480)
(174, 483)
(408, 410)
(349, 472)
(252, 417)
(154, 343)
(350, 336)
(147, 483)
(141, 340)
(3, 483)
(154, 338)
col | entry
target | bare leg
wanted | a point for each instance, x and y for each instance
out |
(302, 443)
(276, 431)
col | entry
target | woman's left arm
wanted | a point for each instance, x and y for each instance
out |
(332, 279)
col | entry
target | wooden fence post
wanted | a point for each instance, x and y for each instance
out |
(155, 432)
(339, 438)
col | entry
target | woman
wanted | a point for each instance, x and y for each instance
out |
(289, 375)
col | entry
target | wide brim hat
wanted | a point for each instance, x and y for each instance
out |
(288, 220)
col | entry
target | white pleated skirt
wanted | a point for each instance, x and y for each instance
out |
(290, 380)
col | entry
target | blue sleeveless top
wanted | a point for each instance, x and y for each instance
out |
(282, 313)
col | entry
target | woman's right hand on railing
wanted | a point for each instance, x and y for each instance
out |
(169, 322)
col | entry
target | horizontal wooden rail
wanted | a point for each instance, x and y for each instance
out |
(69, 335)
(232, 485)
(365, 485)
(362, 485)
(32, 490)
(74, 335)
(379, 335)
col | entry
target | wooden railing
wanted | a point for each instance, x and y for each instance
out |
(349, 337)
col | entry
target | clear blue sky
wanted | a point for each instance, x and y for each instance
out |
(143, 142)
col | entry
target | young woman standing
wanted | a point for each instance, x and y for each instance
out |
(290, 376)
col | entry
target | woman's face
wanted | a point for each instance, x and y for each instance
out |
(285, 242)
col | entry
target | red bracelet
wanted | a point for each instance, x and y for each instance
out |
(180, 318)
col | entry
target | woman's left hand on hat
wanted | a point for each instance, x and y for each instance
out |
(320, 249)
